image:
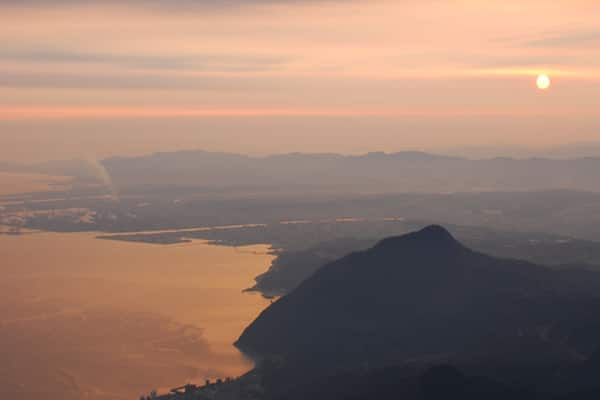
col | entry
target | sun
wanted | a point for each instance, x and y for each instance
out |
(543, 82)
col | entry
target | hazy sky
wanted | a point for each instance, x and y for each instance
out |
(95, 78)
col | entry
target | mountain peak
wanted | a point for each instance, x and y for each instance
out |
(437, 232)
(432, 236)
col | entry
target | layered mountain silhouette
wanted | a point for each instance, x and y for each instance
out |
(425, 297)
(377, 172)
(407, 171)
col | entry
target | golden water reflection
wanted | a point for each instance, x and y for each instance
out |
(84, 318)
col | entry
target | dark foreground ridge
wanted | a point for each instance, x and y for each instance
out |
(424, 298)
(432, 237)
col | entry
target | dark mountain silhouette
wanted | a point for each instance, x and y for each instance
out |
(425, 297)
(396, 382)
(294, 265)
(440, 382)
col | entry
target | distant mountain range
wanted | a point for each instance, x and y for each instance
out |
(563, 151)
(425, 298)
(372, 172)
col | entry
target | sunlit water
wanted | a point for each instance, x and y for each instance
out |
(83, 318)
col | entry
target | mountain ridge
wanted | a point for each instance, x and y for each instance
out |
(421, 295)
(375, 172)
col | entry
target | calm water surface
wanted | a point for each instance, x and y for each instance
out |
(83, 318)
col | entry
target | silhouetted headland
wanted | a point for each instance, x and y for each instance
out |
(425, 298)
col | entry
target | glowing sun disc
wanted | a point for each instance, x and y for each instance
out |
(543, 82)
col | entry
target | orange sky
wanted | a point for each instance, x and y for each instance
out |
(102, 78)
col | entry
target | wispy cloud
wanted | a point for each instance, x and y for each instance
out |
(76, 80)
(171, 5)
(198, 62)
(567, 40)
(17, 113)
